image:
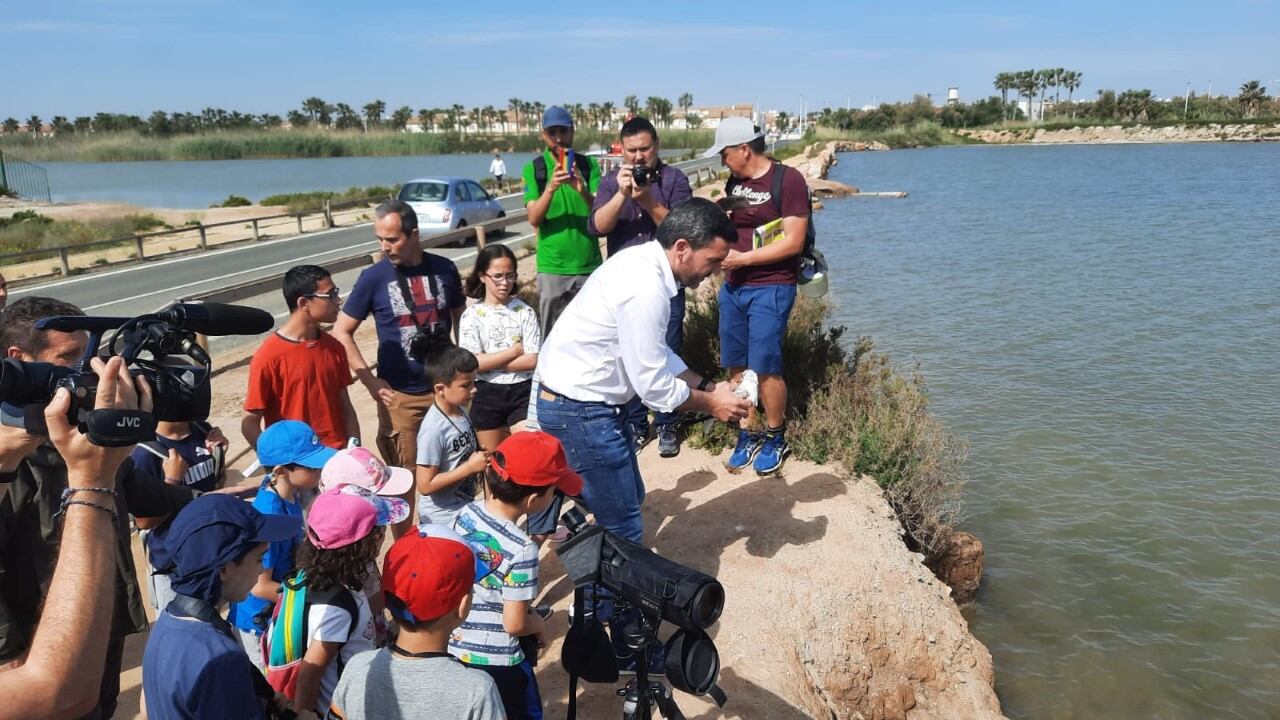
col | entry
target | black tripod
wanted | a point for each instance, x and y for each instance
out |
(640, 694)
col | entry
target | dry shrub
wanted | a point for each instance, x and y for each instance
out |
(851, 408)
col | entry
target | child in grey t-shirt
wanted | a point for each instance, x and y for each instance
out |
(449, 455)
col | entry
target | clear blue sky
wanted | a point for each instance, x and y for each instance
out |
(78, 57)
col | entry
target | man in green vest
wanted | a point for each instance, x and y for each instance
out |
(559, 187)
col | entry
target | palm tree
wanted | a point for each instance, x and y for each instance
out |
(313, 106)
(536, 108)
(1252, 95)
(1043, 79)
(632, 104)
(1025, 82)
(10, 126)
(606, 113)
(373, 114)
(685, 102)
(401, 117)
(347, 118)
(1072, 81)
(1004, 83)
(783, 121)
(1059, 79)
(35, 125)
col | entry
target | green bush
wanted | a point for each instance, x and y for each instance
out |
(28, 230)
(233, 201)
(851, 407)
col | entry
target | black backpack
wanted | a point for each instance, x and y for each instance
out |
(580, 161)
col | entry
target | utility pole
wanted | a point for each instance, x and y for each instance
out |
(1186, 102)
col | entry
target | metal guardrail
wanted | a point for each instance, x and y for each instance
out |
(64, 252)
(271, 283)
(22, 178)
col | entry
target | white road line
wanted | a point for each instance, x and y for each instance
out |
(471, 254)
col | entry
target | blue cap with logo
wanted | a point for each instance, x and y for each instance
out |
(292, 442)
(556, 116)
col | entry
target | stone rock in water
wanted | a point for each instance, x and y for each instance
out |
(959, 564)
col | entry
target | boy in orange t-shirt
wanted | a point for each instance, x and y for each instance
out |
(300, 372)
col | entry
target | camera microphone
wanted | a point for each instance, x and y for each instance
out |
(218, 318)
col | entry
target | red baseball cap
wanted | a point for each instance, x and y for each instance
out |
(427, 573)
(535, 459)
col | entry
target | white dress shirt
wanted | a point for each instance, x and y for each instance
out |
(610, 343)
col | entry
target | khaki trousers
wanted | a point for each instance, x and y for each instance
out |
(398, 438)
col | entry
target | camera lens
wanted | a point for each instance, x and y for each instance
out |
(706, 605)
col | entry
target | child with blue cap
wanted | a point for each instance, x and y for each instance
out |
(293, 456)
(193, 665)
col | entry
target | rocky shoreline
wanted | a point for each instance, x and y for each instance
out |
(1117, 134)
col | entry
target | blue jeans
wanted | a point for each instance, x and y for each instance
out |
(518, 688)
(599, 446)
(637, 413)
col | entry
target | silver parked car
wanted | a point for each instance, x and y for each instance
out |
(448, 203)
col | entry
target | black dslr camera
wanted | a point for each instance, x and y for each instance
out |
(152, 347)
(426, 339)
(642, 175)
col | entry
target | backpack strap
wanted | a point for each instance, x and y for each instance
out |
(338, 596)
(776, 191)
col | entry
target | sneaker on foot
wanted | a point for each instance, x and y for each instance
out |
(668, 441)
(640, 434)
(773, 452)
(744, 452)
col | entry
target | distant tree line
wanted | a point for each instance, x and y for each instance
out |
(518, 116)
(1251, 102)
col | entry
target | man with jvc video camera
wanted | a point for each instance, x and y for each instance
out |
(632, 201)
(412, 295)
(31, 526)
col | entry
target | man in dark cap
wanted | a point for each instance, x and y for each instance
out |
(194, 665)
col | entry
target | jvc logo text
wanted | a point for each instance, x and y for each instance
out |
(129, 422)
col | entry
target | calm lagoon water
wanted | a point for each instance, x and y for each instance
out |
(1102, 323)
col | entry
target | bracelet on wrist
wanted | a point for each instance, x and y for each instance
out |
(69, 502)
(8, 476)
(705, 385)
(73, 490)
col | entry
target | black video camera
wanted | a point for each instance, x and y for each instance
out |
(642, 175)
(660, 589)
(152, 346)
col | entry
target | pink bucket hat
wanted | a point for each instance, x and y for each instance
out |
(347, 514)
(358, 466)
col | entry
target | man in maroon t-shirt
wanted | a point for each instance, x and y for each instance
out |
(760, 283)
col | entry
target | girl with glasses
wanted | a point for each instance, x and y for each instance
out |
(502, 331)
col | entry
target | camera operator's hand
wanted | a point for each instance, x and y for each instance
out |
(90, 465)
(727, 406)
(558, 178)
(626, 182)
(15, 444)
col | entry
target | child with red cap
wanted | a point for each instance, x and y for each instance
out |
(521, 477)
(427, 581)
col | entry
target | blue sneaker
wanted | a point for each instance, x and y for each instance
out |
(772, 453)
(744, 452)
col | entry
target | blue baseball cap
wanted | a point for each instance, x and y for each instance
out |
(212, 531)
(291, 441)
(556, 116)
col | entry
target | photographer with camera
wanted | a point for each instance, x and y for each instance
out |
(30, 526)
(413, 296)
(632, 201)
(55, 674)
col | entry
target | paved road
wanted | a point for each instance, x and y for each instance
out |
(147, 287)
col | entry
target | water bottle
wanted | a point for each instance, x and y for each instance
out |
(749, 387)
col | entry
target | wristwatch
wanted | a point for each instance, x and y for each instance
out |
(8, 477)
(705, 385)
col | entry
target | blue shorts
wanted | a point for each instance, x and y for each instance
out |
(753, 321)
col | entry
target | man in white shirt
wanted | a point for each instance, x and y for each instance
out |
(498, 169)
(610, 345)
